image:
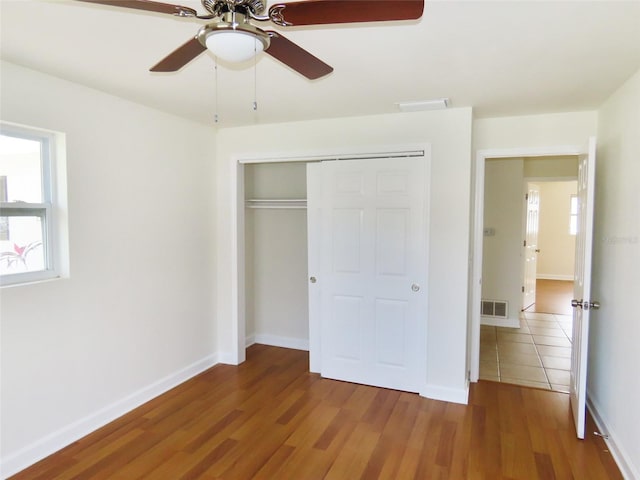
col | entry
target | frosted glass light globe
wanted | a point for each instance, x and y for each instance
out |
(234, 46)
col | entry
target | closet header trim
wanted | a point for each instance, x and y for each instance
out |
(337, 157)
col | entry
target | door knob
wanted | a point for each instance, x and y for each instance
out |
(585, 304)
(312, 279)
(415, 287)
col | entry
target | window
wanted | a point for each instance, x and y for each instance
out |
(27, 225)
(573, 215)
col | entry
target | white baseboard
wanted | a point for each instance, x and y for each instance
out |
(446, 394)
(500, 322)
(228, 358)
(618, 452)
(249, 340)
(17, 461)
(278, 341)
(553, 276)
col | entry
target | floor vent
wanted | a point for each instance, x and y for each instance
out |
(495, 308)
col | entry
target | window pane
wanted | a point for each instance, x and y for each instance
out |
(573, 225)
(574, 205)
(20, 170)
(21, 248)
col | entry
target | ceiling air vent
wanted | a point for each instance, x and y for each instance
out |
(495, 308)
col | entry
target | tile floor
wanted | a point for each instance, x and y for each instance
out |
(538, 354)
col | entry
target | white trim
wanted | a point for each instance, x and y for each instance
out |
(478, 225)
(356, 153)
(500, 322)
(17, 461)
(238, 329)
(284, 342)
(249, 340)
(553, 276)
(446, 394)
(619, 454)
(227, 358)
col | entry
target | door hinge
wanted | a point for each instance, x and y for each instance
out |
(523, 289)
(524, 244)
(526, 196)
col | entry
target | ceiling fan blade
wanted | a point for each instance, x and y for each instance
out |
(149, 6)
(321, 12)
(180, 57)
(296, 57)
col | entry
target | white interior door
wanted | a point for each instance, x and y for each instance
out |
(531, 249)
(582, 302)
(372, 276)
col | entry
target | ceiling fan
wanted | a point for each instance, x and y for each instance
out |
(233, 37)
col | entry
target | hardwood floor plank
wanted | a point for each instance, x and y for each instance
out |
(269, 418)
(353, 457)
(212, 430)
(343, 422)
(446, 444)
(380, 409)
(392, 444)
(323, 415)
(156, 455)
(210, 459)
(276, 461)
(409, 464)
(553, 296)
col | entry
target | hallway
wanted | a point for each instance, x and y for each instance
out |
(538, 354)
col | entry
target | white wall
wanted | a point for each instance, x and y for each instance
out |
(136, 313)
(614, 356)
(551, 167)
(557, 246)
(277, 303)
(449, 133)
(534, 131)
(502, 251)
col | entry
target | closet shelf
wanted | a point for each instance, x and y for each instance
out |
(276, 203)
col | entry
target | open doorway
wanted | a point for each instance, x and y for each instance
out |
(528, 340)
(555, 248)
(275, 255)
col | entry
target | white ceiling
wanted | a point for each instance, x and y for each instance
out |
(501, 58)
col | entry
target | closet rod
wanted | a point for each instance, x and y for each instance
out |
(289, 203)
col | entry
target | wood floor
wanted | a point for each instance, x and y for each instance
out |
(553, 296)
(271, 419)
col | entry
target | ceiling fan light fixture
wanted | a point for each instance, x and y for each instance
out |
(234, 45)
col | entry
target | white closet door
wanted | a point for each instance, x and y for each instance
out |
(373, 271)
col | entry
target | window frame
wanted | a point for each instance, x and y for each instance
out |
(45, 209)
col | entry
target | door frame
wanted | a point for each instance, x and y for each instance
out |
(237, 355)
(478, 238)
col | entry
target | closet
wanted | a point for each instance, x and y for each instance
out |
(276, 297)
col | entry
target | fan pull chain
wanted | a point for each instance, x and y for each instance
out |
(215, 116)
(255, 75)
